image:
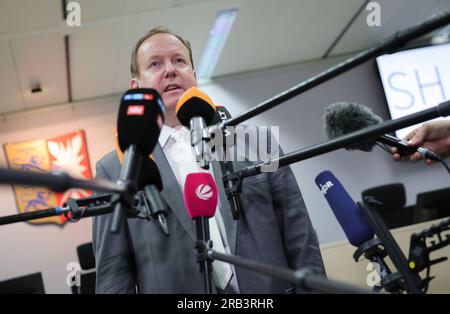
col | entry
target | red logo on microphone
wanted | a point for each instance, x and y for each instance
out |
(135, 110)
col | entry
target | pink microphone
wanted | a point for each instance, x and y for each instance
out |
(200, 195)
(200, 198)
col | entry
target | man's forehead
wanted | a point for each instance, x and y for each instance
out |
(162, 41)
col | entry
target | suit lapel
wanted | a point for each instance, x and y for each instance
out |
(224, 206)
(172, 192)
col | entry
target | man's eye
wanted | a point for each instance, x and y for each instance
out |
(154, 64)
(180, 61)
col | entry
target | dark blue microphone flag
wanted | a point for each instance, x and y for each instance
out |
(344, 208)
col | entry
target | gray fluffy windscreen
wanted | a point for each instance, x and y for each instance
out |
(343, 118)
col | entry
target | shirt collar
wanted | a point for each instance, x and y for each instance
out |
(166, 132)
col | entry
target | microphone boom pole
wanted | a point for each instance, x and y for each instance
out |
(390, 44)
(361, 135)
(95, 205)
(302, 278)
(57, 182)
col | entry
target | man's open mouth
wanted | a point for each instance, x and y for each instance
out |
(172, 87)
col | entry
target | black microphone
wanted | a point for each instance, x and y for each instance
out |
(196, 111)
(345, 117)
(227, 166)
(139, 122)
(156, 206)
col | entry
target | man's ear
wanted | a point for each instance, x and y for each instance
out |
(134, 83)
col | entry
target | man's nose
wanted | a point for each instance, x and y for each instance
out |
(170, 70)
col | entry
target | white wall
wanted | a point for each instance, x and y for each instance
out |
(26, 248)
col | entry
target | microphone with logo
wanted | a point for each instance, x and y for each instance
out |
(343, 118)
(196, 111)
(201, 198)
(361, 235)
(139, 122)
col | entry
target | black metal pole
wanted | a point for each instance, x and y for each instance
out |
(205, 265)
(56, 211)
(365, 134)
(90, 212)
(302, 278)
(58, 182)
(398, 40)
(132, 160)
(412, 280)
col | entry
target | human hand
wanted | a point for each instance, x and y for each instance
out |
(434, 136)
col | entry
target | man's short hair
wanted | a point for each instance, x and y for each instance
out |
(150, 33)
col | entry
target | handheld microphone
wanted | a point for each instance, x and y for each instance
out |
(196, 111)
(139, 122)
(200, 195)
(227, 166)
(201, 198)
(343, 118)
(344, 208)
(361, 234)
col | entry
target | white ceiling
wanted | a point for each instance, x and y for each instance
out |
(267, 33)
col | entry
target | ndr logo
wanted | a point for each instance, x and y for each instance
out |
(324, 188)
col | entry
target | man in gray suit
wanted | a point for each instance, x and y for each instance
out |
(274, 226)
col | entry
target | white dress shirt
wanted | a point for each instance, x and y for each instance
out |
(180, 155)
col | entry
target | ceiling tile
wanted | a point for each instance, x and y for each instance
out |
(11, 99)
(20, 15)
(94, 51)
(301, 31)
(254, 20)
(138, 6)
(41, 58)
(97, 9)
(395, 15)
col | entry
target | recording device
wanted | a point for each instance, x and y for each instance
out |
(139, 122)
(343, 118)
(196, 111)
(201, 198)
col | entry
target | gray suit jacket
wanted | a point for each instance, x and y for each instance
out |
(274, 228)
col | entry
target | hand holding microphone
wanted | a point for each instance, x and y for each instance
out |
(344, 118)
(431, 135)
